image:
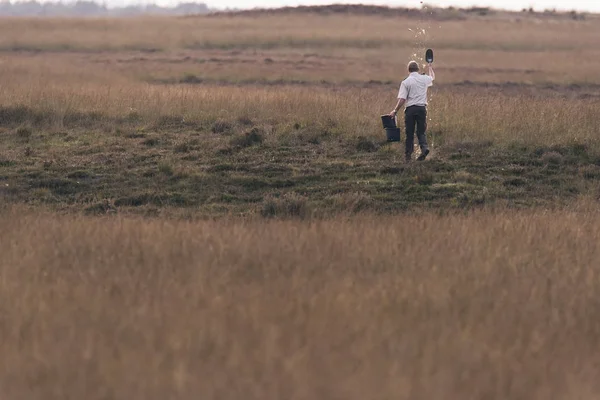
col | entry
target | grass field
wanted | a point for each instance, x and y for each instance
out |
(480, 306)
(206, 123)
(207, 207)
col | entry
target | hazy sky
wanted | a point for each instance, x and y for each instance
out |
(580, 5)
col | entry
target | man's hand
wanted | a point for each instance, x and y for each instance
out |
(393, 114)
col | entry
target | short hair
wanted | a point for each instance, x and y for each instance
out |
(413, 66)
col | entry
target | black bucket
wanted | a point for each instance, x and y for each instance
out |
(391, 130)
(388, 122)
(393, 134)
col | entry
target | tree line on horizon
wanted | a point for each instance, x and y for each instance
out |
(85, 8)
(90, 8)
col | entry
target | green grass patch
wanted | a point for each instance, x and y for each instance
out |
(299, 179)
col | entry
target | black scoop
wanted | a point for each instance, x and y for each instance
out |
(429, 56)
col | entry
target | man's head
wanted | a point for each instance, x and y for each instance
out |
(413, 66)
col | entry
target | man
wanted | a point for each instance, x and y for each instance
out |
(413, 95)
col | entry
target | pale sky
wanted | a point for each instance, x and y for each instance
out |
(538, 5)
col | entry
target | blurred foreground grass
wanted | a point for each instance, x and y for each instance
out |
(485, 306)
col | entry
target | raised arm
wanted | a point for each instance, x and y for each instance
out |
(431, 71)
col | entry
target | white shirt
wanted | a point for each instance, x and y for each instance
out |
(414, 89)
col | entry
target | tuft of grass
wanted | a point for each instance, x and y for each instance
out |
(24, 133)
(221, 126)
(151, 142)
(186, 147)
(245, 120)
(252, 137)
(79, 174)
(515, 182)
(466, 177)
(89, 119)
(354, 202)
(290, 205)
(16, 114)
(135, 200)
(182, 148)
(366, 144)
(424, 178)
(99, 208)
(553, 158)
(190, 79)
(170, 121)
(166, 168)
(591, 172)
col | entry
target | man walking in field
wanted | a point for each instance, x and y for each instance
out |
(413, 95)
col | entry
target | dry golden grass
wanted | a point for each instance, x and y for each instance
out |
(468, 114)
(363, 48)
(294, 30)
(486, 306)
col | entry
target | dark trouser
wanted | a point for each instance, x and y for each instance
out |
(415, 115)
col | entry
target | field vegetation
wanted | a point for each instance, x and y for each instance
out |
(481, 306)
(226, 114)
(207, 206)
